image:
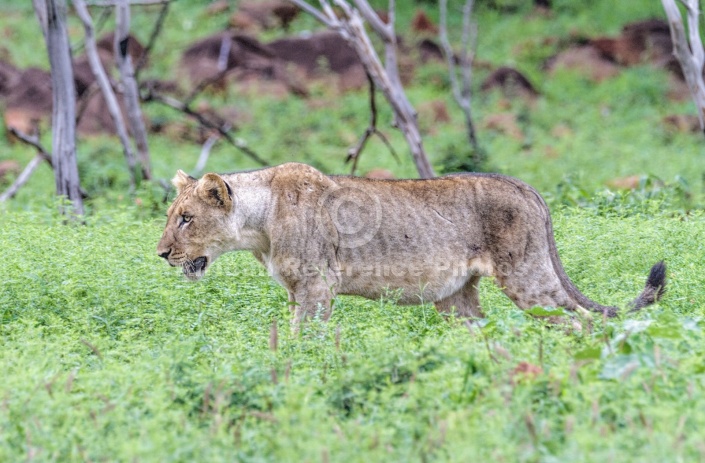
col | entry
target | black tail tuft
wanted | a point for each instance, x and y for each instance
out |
(657, 279)
(655, 287)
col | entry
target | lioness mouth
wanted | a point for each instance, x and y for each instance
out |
(195, 266)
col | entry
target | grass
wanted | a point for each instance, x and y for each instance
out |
(110, 355)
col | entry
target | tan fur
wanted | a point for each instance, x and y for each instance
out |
(422, 240)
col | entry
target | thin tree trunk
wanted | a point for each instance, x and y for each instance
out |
(130, 90)
(64, 104)
(689, 50)
(106, 87)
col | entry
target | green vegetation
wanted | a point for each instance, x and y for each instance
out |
(107, 354)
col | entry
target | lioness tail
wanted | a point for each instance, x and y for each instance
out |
(654, 289)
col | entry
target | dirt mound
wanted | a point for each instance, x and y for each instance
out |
(33, 90)
(421, 23)
(317, 53)
(9, 77)
(29, 101)
(429, 51)
(225, 57)
(640, 42)
(586, 60)
(96, 118)
(510, 82)
(320, 54)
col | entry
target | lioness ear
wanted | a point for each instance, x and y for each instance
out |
(181, 180)
(215, 191)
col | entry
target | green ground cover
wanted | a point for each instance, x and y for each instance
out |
(109, 355)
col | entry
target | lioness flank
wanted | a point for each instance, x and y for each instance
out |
(425, 240)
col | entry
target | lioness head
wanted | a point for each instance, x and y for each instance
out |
(195, 222)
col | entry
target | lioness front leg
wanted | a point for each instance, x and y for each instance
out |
(310, 300)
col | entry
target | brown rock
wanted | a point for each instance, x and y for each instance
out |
(505, 123)
(525, 371)
(435, 111)
(9, 166)
(683, 123)
(625, 183)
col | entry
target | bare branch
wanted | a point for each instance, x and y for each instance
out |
(84, 99)
(355, 152)
(696, 44)
(31, 141)
(152, 39)
(40, 10)
(223, 130)
(206, 151)
(351, 26)
(313, 12)
(22, 178)
(111, 3)
(105, 86)
(42, 155)
(385, 31)
(461, 91)
(225, 45)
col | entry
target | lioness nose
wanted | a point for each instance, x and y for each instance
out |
(165, 254)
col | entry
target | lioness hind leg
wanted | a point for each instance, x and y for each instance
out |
(292, 302)
(466, 301)
(529, 285)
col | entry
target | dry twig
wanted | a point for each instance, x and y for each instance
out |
(223, 130)
(355, 152)
(156, 30)
(24, 176)
(462, 92)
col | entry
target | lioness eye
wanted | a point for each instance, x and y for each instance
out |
(186, 218)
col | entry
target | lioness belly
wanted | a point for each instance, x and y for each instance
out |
(410, 282)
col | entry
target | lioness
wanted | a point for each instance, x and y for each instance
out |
(427, 240)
